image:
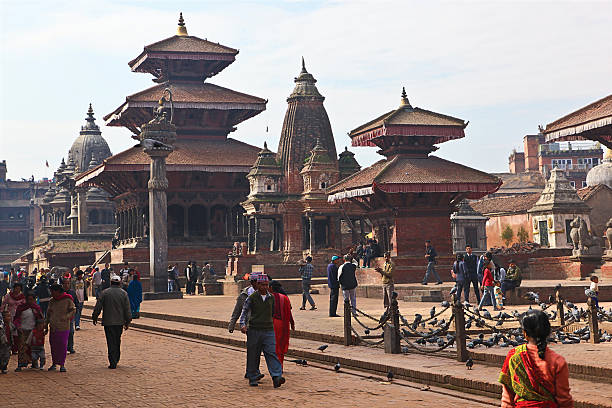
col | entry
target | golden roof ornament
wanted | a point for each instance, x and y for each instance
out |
(405, 102)
(181, 30)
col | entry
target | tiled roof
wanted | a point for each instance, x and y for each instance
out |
(588, 192)
(410, 116)
(362, 178)
(402, 170)
(190, 153)
(190, 92)
(186, 44)
(596, 110)
(517, 183)
(505, 204)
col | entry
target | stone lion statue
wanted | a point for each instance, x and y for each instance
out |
(581, 238)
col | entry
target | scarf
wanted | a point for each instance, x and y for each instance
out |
(277, 314)
(63, 295)
(19, 296)
(22, 308)
(521, 375)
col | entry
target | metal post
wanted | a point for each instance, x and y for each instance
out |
(560, 311)
(348, 339)
(593, 322)
(391, 330)
(458, 312)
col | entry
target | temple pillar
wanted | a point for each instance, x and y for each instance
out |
(255, 233)
(74, 228)
(208, 223)
(311, 233)
(186, 222)
(249, 236)
(158, 219)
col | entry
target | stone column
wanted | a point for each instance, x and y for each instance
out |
(255, 233)
(74, 220)
(185, 221)
(311, 229)
(249, 236)
(158, 219)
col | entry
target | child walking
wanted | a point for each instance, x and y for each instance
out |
(37, 345)
(487, 288)
(595, 289)
(499, 298)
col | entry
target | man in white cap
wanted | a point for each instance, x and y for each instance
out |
(116, 315)
(260, 333)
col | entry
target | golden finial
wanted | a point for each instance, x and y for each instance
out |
(405, 101)
(181, 30)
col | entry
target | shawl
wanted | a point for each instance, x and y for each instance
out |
(521, 375)
(64, 295)
(22, 308)
(134, 292)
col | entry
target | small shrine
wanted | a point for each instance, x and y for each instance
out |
(469, 227)
(410, 195)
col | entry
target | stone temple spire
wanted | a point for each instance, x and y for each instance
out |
(405, 102)
(90, 120)
(305, 121)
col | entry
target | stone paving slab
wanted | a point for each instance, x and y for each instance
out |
(427, 369)
(162, 371)
(219, 308)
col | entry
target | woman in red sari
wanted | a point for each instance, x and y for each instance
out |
(534, 376)
(10, 303)
(283, 319)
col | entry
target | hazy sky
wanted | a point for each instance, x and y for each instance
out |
(504, 66)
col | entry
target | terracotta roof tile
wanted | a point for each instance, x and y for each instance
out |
(410, 116)
(185, 44)
(505, 204)
(587, 192)
(409, 170)
(596, 110)
(190, 92)
(229, 152)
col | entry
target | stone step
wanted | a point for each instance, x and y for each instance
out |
(422, 298)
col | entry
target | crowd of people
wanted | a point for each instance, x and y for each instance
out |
(50, 302)
(486, 276)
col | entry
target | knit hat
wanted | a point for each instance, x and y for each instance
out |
(335, 257)
(254, 276)
(262, 277)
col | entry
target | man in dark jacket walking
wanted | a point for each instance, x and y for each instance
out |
(116, 316)
(471, 262)
(348, 281)
(334, 286)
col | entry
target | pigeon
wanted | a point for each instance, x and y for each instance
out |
(590, 293)
(499, 322)
(432, 312)
(471, 345)
(433, 322)
(441, 323)
(481, 336)
(532, 296)
(337, 367)
(551, 299)
(299, 362)
(152, 144)
(417, 318)
(367, 331)
(469, 363)
(440, 342)
(486, 314)
(468, 324)
(453, 290)
(390, 376)
(569, 304)
(466, 304)
(323, 347)
(445, 304)
(504, 344)
(553, 315)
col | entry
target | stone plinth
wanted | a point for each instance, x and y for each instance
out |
(584, 266)
(215, 288)
(411, 232)
(606, 268)
(162, 295)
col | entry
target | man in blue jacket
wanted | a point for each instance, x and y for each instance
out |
(333, 285)
(471, 266)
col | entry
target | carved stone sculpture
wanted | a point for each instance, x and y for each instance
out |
(583, 242)
(609, 236)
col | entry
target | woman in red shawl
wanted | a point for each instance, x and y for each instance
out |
(10, 302)
(283, 319)
(27, 316)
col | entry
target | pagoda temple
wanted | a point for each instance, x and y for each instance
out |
(410, 195)
(287, 207)
(206, 171)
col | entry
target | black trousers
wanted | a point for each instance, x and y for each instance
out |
(473, 280)
(113, 342)
(333, 301)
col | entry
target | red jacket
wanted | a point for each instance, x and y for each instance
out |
(487, 279)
